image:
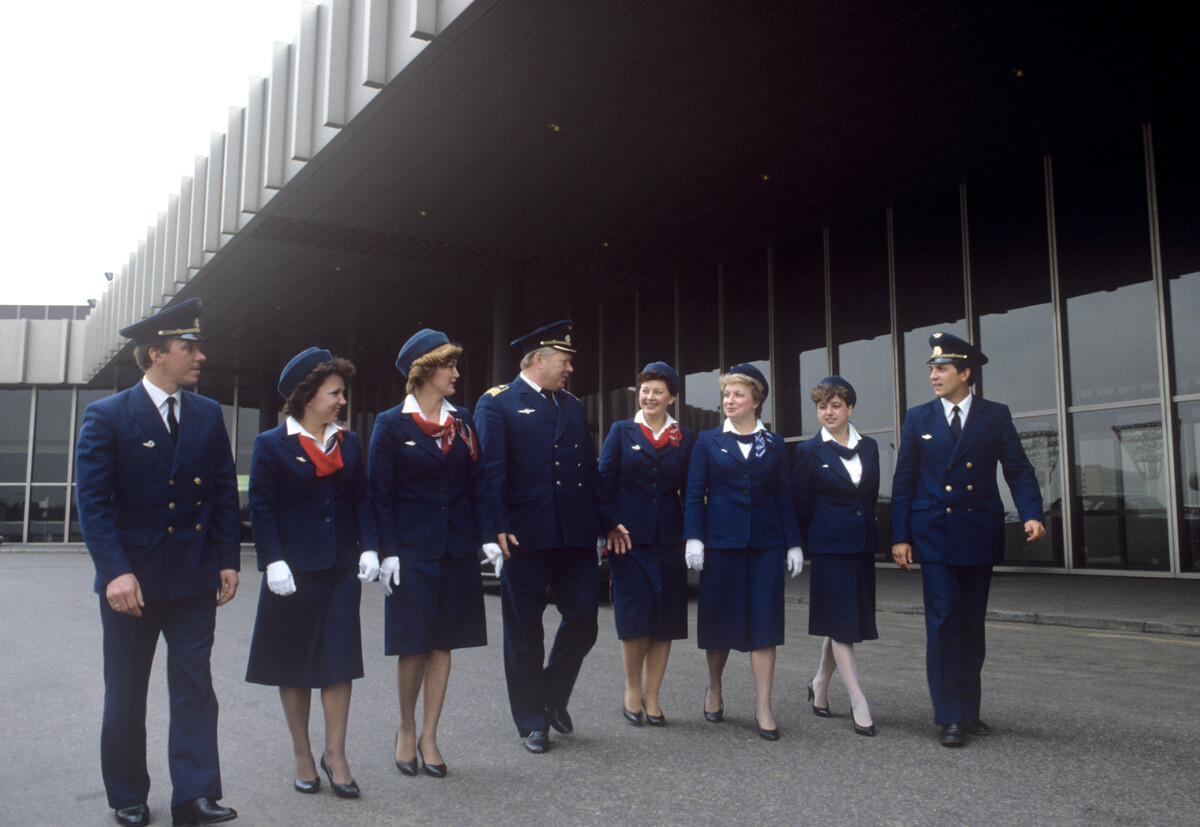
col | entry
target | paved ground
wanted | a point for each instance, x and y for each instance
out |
(1093, 725)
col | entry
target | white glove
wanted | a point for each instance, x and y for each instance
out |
(601, 542)
(389, 574)
(279, 579)
(694, 555)
(368, 566)
(494, 555)
(795, 560)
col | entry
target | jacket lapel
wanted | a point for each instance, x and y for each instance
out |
(532, 399)
(937, 426)
(728, 443)
(975, 425)
(638, 437)
(831, 459)
(415, 434)
(147, 418)
(191, 422)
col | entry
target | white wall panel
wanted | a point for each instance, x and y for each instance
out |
(304, 83)
(275, 122)
(252, 148)
(12, 342)
(375, 43)
(423, 19)
(231, 190)
(335, 17)
(166, 280)
(76, 363)
(191, 221)
(213, 193)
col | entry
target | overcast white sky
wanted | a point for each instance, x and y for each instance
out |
(107, 103)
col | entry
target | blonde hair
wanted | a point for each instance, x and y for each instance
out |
(423, 367)
(756, 388)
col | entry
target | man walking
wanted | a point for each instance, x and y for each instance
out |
(947, 515)
(158, 505)
(539, 462)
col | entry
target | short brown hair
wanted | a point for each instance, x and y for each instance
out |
(307, 387)
(141, 353)
(825, 393)
(423, 367)
(654, 376)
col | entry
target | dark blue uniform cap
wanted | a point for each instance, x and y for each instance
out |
(556, 335)
(669, 372)
(948, 348)
(747, 369)
(838, 382)
(302, 365)
(417, 346)
(179, 322)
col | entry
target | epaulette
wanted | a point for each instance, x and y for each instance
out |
(497, 390)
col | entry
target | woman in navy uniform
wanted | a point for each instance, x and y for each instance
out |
(644, 466)
(314, 530)
(835, 483)
(425, 481)
(740, 525)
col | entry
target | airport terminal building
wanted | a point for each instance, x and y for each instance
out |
(814, 187)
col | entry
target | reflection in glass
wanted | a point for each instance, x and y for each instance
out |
(703, 411)
(867, 365)
(14, 437)
(51, 435)
(1177, 174)
(47, 513)
(883, 509)
(12, 512)
(620, 367)
(699, 359)
(1039, 439)
(1189, 475)
(1120, 490)
(801, 357)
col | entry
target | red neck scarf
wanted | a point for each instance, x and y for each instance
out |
(670, 434)
(445, 434)
(328, 461)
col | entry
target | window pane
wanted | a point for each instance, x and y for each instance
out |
(12, 512)
(747, 334)
(699, 364)
(1120, 492)
(1104, 262)
(883, 509)
(51, 435)
(1189, 473)
(927, 236)
(1010, 287)
(802, 359)
(1039, 438)
(862, 318)
(47, 512)
(1177, 172)
(14, 438)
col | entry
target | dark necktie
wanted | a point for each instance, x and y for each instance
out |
(172, 422)
(955, 423)
(549, 394)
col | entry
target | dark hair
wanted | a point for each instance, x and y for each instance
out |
(307, 387)
(654, 376)
(141, 353)
(961, 366)
(425, 365)
(824, 393)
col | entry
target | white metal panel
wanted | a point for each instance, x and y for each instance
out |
(336, 17)
(304, 83)
(213, 190)
(76, 363)
(166, 283)
(275, 122)
(375, 43)
(12, 342)
(45, 351)
(423, 19)
(196, 212)
(252, 149)
(232, 187)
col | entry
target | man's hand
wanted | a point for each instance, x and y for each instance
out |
(618, 541)
(503, 540)
(902, 554)
(229, 584)
(124, 595)
(1034, 530)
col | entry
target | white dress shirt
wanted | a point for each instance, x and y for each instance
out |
(745, 446)
(640, 419)
(964, 408)
(159, 397)
(411, 407)
(854, 464)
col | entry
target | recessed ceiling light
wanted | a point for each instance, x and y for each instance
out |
(422, 212)
(762, 176)
(603, 243)
(555, 127)
(1018, 73)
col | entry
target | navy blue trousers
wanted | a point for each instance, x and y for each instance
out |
(533, 687)
(187, 625)
(955, 604)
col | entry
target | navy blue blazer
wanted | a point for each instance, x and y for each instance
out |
(738, 502)
(642, 485)
(309, 522)
(167, 513)
(945, 500)
(428, 504)
(539, 465)
(835, 515)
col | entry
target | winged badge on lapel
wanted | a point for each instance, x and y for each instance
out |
(148, 443)
(926, 436)
(526, 411)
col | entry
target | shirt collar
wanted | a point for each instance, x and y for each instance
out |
(294, 427)
(850, 443)
(640, 419)
(728, 426)
(530, 382)
(411, 407)
(964, 408)
(159, 396)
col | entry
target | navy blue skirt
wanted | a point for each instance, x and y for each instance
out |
(650, 592)
(311, 638)
(841, 597)
(740, 605)
(439, 605)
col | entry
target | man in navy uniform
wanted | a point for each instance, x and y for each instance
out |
(539, 463)
(158, 504)
(947, 515)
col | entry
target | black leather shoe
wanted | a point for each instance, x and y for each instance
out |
(819, 711)
(868, 731)
(341, 790)
(312, 786)
(656, 720)
(953, 735)
(201, 810)
(133, 816)
(766, 734)
(713, 717)
(408, 767)
(537, 741)
(634, 718)
(435, 770)
(560, 720)
(974, 726)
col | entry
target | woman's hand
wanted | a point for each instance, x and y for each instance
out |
(279, 579)
(389, 574)
(694, 555)
(368, 566)
(618, 541)
(795, 561)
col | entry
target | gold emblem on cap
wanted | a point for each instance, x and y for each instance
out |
(195, 328)
(937, 335)
(937, 349)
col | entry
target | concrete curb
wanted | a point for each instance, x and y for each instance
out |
(1109, 624)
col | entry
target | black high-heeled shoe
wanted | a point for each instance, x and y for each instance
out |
(434, 770)
(341, 790)
(655, 720)
(713, 717)
(310, 787)
(634, 718)
(408, 767)
(766, 734)
(868, 731)
(819, 711)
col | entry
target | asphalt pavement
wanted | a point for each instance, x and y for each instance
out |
(1089, 686)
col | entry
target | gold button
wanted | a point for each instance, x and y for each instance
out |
(969, 510)
(969, 465)
(947, 510)
(170, 529)
(970, 488)
(949, 487)
(199, 527)
(170, 482)
(171, 506)
(199, 502)
(197, 480)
